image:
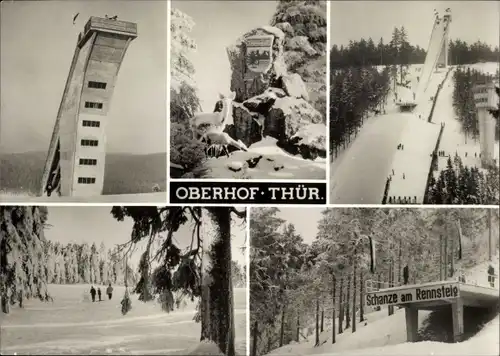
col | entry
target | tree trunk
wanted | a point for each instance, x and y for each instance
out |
(446, 256)
(255, 337)
(452, 257)
(282, 330)
(333, 309)
(354, 299)
(390, 309)
(399, 264)
(322, 319)
(440, 257)
(298, 328)
(361, 298)
(341, 306)
(317, 323)
(348, 299)
(221, 290)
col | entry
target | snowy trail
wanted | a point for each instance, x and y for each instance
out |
(359, 177)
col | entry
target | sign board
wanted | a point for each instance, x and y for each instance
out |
(413, 295)
(259, 51)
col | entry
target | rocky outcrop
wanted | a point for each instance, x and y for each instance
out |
(270, 100)
(288, 116)
(246, 83)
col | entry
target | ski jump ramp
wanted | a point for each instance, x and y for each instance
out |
(437, 57)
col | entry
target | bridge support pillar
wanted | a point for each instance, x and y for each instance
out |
(457, 310)
(411, 314)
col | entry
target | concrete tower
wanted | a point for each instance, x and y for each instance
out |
(75, 161)
(486, 99)
(443, 55)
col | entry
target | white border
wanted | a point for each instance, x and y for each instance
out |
(328, 50)
(247, 277)
(167, 100)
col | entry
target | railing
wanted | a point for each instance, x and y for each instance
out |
(491, 281)
(372, 285)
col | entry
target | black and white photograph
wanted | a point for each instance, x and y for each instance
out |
(365, 281)
(414, 102)
(125, 280)
(83, 104)
(248, 90)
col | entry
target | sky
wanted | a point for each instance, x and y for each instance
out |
(37, 44)
(471, 20)
(95, 224)
(218, 25)
(305, 221)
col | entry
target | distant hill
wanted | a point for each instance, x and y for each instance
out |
(124, 173)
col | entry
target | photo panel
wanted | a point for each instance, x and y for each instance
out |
(414, 102)
(248, 90)
(83, 101)
(127, 280)
(374, 281)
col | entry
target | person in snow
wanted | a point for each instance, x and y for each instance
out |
(99, 293)
(109, 291)
(491, 275)
(92, 293)
(406, 274)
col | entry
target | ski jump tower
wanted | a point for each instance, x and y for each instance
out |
(486, 99)
(76, 156)
(437, 56)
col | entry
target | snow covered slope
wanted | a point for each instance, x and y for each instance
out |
(71, 325)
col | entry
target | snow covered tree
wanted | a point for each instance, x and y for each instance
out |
(22, 272)
(151, 223)
(184, 103)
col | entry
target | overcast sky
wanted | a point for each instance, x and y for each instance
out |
(305, 221)
(219, 24)
(79, 224)
(471, 20)
(37, 44)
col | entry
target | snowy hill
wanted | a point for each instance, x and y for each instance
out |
(74, 325)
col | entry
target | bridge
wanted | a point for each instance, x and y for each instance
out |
(452, 293)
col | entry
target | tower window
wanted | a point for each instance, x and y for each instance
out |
(86, 180)
(90, 123)
(97, 85)
(88, 162)
(93, 105)
(92, 143)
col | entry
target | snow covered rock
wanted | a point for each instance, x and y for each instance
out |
(310, 141)
(301, 43)
(235, 166)
(294, 86)
(248, 84)
(286, 28)
(288, 116)
(246, 126)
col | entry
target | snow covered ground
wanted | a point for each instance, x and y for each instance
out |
(275, 163)
(453, 140)
(71, 325)
(159, 197)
